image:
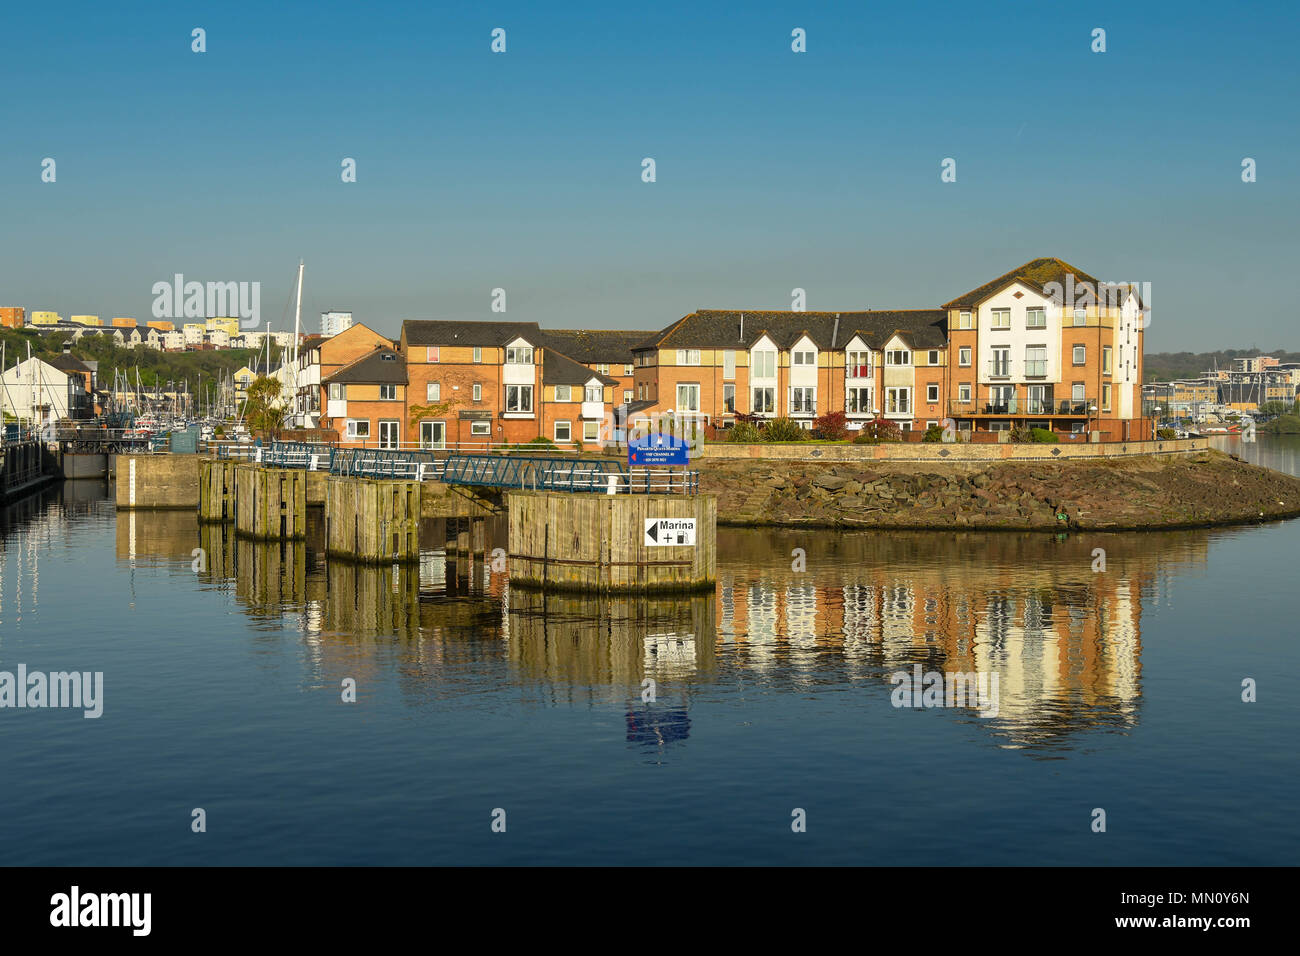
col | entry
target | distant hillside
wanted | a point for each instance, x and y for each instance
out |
(1165, 366)
(154, 367)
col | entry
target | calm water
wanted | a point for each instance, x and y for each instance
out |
(1119, 689)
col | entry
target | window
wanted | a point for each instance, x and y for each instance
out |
(433, 353)
(764, 364)
(478, 392)
(480, 428)
(358, 428)
(729, 363)
(932, 393)
(1105, 359)
(1001, 318)
(1000, 364)
(688, 356)
(388, 393)
(803, 401)
(593, 393)
(563, 431)
(563, 393)
(858, 364)
(1080, 355)
(933, 357)
(764, 400)
(1035, 319)
(1076, 392)
(963, 356)
(519, 398)
(336, 391)
(389, 431)
(1080, 316)
(1105, 398)
(729, 398)
(963, 320)
(591, 431)
(603, 369)
(688, 397)
(478, 353)
(519, 356)
(804, 358)
(1035, 361)
(857, 401)
(640, 392)
(433, 434)
(433, 392)
(627, 395)
(963, 393)
(898, 357)
(898, 401)
(627, 370)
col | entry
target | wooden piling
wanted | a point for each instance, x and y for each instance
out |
(372, 521)
(216, 491)
(270, 503)
(577, 542)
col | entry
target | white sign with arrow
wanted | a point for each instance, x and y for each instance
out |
(664, 532)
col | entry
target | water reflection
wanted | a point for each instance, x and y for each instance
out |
(1062, 633)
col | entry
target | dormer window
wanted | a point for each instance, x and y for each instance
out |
(898, 357)
(804, 358)
(523, 355)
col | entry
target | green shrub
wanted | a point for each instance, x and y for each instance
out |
(1043, 435)
(933, 434)
(1165, 434)
(784, 429)
(745, 433)
(1020, 434)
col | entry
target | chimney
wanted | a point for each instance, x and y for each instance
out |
(742, 328)
(835, 332)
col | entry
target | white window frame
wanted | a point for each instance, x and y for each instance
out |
(892, 395)
(568, 431)
(803, 357)
(853, 396)
(590, 430)
(564, 393)
(520, 392)
(932, 394)
(804, 393)
(761, 359)
(1030, 313)
(688, 356)
(858, 359)
(433, 392)
(1080, 317)
(767, 407)
(478, 392)
(480, 429)
(729, 392)
(964, 393)
(353, 432)
(519, 355)
(478, 353)
(1079, 355)
(964, 356)
(999, 314)
(964, 319)
(688, 397)
(893, 356)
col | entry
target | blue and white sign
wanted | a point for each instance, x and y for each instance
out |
(658, 449)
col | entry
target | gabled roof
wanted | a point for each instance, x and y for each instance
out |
(382, 366)
(1036, 273)
(461, 332)
(68, 363)
(612, 347)
(713, 328)
(559, 369)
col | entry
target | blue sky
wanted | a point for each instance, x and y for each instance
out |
(775, 170)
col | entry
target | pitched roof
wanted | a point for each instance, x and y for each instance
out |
(382, 366)
(595, 347)
(68, 363)
(462, 332)
(559, 369)
(713, 328)
(1036, 273)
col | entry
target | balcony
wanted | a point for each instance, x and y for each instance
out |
(858, 371)
(1017, 405)
(593, 410)
(999, 369)
(804, 407)
(1036, 369)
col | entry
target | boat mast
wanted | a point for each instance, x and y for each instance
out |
(297, 331)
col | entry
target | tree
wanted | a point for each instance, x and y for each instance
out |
(264, 412)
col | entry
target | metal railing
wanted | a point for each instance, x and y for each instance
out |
(1017, 405)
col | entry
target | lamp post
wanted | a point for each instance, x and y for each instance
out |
(1092, 410)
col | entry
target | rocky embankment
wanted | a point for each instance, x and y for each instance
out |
(1196, 490)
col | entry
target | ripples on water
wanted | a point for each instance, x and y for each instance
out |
(770, 693)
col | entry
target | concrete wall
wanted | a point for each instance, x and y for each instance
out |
(160, 481)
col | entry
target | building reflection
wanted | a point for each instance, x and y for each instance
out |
(1063, 638)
